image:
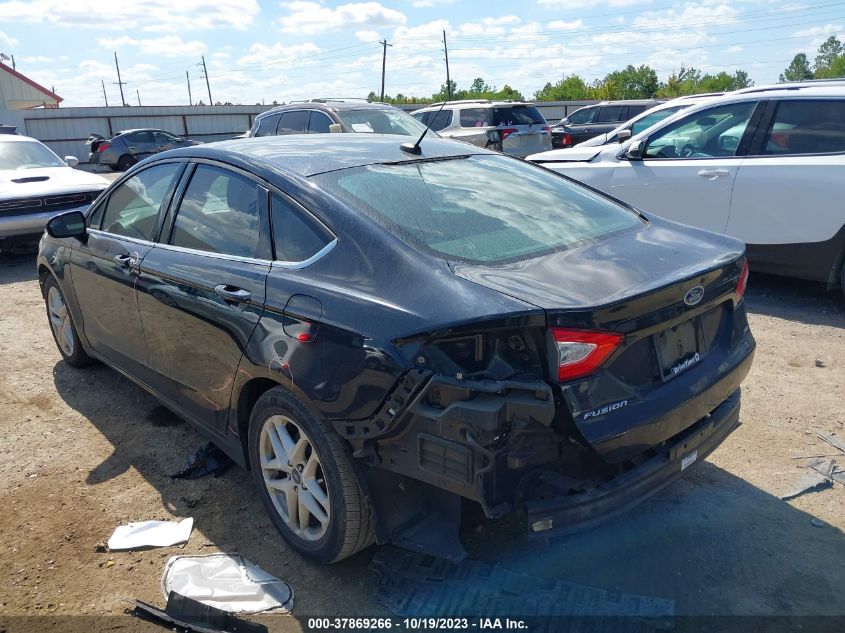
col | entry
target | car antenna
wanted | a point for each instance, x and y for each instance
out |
(415, 148)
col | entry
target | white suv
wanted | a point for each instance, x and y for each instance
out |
(512, 127)
(762, 164)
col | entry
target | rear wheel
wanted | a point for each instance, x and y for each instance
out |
(125, 162)
(306, 480)
(61, 324)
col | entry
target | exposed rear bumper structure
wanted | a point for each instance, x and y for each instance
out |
(570, 513)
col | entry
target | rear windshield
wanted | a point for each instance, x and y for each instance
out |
(479, 209)
(387, 121)
(517, 115)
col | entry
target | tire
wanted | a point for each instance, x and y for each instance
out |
(62, 326)
(125, 162)
(280, 424)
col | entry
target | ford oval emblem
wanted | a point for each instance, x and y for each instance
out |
(694, 295)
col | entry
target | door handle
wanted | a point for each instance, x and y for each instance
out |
(233, 293)
(128, 261)
(712, 174)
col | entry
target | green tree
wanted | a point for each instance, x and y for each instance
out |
(508, 93)
(798, 69)
(479, 86)
(632, 83)
(830, 50)
(444, 93)
(571, 88)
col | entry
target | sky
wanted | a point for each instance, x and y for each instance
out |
(258, 51)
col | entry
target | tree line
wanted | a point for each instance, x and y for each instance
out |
(829, 63)
(640, 82)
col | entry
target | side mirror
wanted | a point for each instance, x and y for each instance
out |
(335, 128)
(72, 161)
(70, 224)
(635, 151)
(564, 121)
(623, 135)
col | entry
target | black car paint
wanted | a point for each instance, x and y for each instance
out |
(376, 360)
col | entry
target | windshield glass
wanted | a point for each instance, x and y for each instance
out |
(27, 155)
(375, 121)
(479, 209)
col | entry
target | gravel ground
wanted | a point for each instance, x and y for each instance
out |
(82, 451)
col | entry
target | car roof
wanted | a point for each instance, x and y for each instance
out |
(311, 154)
(141, 129)
(475, 103)
(17, 137)
(332, 106)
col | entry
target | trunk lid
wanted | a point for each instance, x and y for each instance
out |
(670, 291)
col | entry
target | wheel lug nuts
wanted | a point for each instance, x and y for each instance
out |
(299, 467)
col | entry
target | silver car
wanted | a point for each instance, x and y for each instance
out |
(515, 128)
(129, 146)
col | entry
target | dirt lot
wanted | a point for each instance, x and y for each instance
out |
(82, 451)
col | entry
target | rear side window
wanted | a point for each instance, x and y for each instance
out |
(806, 127)
(609, 114)
(442, 120)
(583, 116)
(267, 125)
(517, 115)
(634, 110)
(295, 122)
(140, 137)
(296, 234)
(479, 209)
(220, 213)
(319, 123)
(132, 208)
(476, 117)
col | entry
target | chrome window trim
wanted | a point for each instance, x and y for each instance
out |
(328, 248)
(196, 251)
(124, 238)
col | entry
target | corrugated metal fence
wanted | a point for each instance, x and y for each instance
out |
(64, 130)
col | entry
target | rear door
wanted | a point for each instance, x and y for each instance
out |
(105, 268)
(141, 144)
(293, 122)
(607, 119)
(201, 290)
(689, 166)
(580, 124)
(788, 191)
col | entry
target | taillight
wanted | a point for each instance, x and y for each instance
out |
(506, 132)
(743, 280)
(102, 147)
(581, 352)
(567, 139)
(546, 128)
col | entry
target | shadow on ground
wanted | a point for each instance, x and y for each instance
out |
(712, 543)
(795, 300)
(16, 267)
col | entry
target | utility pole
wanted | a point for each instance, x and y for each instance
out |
(190, 99)
(448, 82)
(205, 74)
(13, 63)
(119, 82)
(105, 96)
(383, 64)
(139, 96)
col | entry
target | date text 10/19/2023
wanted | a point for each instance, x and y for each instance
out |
(415, 624)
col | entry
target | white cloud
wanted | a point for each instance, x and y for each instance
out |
(165, 46)
(269, 54)
(826, 31)
(7, 41)
(577, 4)
(160, 15)
(563, 25)
(736, 48)
(427, 4)
(311, 17)
(36, 59)
(367, 36)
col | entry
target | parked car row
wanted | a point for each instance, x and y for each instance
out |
(760, 164)
(126, 148)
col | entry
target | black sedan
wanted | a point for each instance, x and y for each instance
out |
(378, 334)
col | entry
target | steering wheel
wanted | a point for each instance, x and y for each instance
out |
(688, 150)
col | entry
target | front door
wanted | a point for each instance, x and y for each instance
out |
(104, 270)
(689, 167)
(201, 290)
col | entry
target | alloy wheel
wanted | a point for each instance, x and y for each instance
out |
(60, 321)
(294, 477)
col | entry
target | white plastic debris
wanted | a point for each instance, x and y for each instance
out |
(226, 582)
(150, 534)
